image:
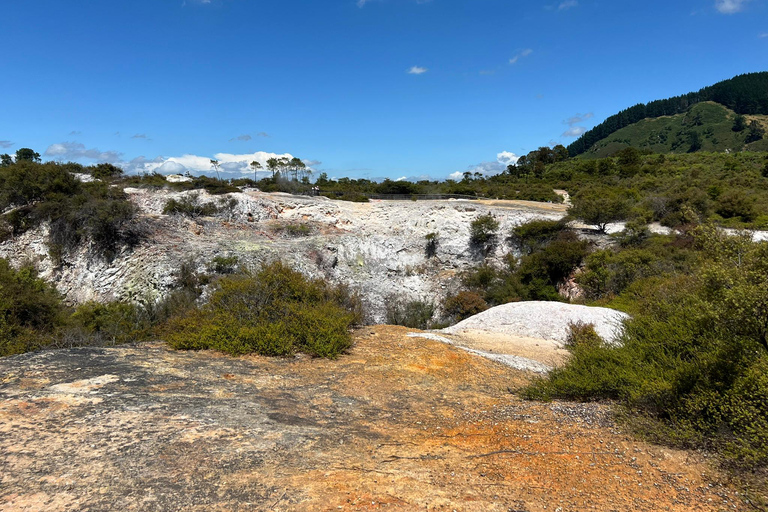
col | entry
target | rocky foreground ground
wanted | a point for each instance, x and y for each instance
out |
(401, 423)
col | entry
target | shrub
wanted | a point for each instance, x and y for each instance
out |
(415, 314)
(276, 311)
(694, 357)
(599, 207)
(75, 211)
(190, 206)
(482, 232)
(433, 241)
(464, 305)
(535, 234)
(294, 230)
(223, 264)
(30, 310)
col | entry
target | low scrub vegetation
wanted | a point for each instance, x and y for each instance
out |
(32, 193)
(275, 311)
(693, 360)
(416, 314)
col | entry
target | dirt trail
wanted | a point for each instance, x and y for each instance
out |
(398, 424)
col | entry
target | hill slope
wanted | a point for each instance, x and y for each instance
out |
(744, 94)
(706, 126)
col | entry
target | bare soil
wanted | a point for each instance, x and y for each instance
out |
(400, 423)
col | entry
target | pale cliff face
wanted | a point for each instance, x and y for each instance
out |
(376, 248)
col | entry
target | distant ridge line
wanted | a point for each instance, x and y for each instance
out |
(744, 94)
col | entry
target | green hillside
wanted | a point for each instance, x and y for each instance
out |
(744, 94)
(705, 126)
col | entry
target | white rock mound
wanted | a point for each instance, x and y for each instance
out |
(543, 320)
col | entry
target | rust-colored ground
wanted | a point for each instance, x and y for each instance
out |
(399, 424)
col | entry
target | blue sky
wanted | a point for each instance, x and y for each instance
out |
(361, 88)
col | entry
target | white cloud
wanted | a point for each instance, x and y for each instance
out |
(730, 6)
(520, 55)
(402, 178)
(507, 158)
(77, 151)
(763, 35)
(574, 131)
(567, 4)
(417, 70)
(503, 159)
(229, 163)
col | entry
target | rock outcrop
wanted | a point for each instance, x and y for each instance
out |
(377, 248)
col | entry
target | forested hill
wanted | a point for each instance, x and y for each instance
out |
(744, 94)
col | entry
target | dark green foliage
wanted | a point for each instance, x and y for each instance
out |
(75, 211)
(536, 234)
(223, 264)
(550, 260)
(105, 172)
(693, 359)
(415, 314)
(756, 132)
(600, 206)
(30, 310)
(739, 123)
(483, 232)
(744, 94)
(190, 206)
(276, 311)
(464, 305)
(27, 155)
(433, 242)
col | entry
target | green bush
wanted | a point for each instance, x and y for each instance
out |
(464, 305)
(433, 242)
(75, 211)
(693, 359)
(483, 232)
(30, 310)
(190, 206)
(536, 234)
(415, 314)
(600, 206)
(223, 264)
(276, 311)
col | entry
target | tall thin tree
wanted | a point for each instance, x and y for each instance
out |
(255, 166)
(215, 164)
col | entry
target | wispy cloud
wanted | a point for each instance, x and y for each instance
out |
(417, 70)
(141, 136)
(730, 6)
(567, 4)
(74, 132)
(5, 144)
(521, 55)
(573, 129)
(244, 138)
(578, 118)
(764, 35)
(78, 151)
